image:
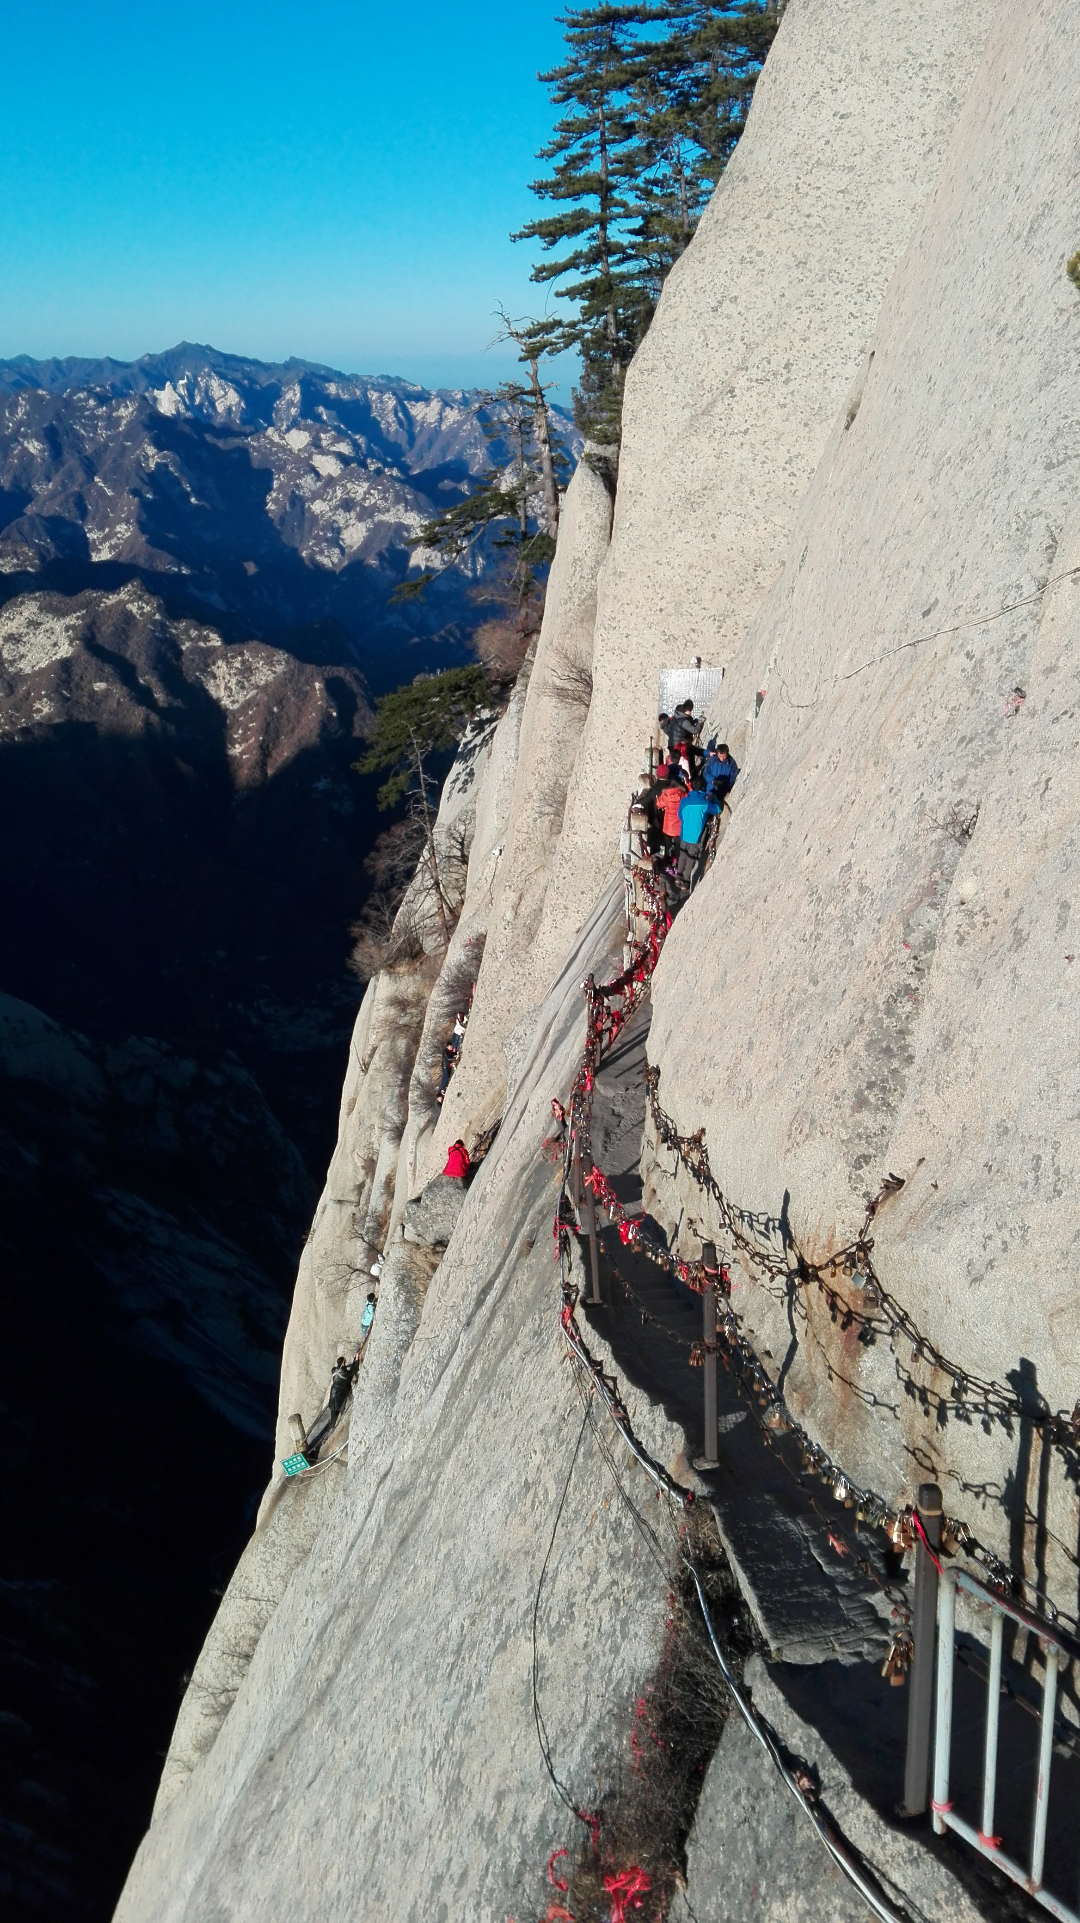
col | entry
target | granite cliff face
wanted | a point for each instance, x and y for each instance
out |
(849, 476)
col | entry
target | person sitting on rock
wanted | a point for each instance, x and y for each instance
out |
(721, 772)
(553, 1147)
(450, 1054)
(648, 797)
(458, 1162)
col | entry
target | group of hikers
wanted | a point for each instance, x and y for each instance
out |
(676, 811)
(459, 1164)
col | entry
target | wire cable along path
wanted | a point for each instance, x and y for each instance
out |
(855, 1296)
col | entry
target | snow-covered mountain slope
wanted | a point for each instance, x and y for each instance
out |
(282, 498)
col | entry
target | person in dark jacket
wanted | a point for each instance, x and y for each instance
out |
(341, 1385)
(721, 772)
(682, 728)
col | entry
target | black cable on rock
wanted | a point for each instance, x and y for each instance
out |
(541, 1729)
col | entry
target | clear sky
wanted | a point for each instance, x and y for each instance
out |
(336, 181)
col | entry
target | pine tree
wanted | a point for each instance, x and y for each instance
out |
(691, 96)
(531, 338)
(591, 184)
(514, 420)
(716, 53)
(653, 119)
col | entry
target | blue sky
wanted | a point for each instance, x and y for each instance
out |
(333, 181)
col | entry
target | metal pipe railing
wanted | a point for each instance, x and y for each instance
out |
(1057, 1648)
(923, 1617)
(993, 1705)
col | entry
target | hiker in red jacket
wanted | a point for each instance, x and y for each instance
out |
(667, 802)
(457, 1162)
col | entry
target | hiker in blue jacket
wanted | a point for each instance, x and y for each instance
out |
(693, 810)
(721, 772)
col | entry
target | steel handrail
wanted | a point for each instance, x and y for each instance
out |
(1057, 1645)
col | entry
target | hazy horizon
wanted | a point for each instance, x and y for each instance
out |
(559, 377)
(344, 196)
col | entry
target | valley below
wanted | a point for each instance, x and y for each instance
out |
(197, 556)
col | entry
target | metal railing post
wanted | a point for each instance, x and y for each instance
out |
(1046, 1752)
(943, 1719)
(708, 1300)
(923, 1626)
(993, 1705)
(589, 1207)
(1060, 1648)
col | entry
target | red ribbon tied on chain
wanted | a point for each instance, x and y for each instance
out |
(916, 1523)
(626, 1891)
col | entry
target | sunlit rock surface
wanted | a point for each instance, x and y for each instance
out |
(869, 979)
(890, 926)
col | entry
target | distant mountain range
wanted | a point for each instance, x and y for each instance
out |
(197, 554)
(281, 502)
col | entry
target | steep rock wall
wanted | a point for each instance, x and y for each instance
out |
(380, 1757)
(526, 929)
(429, 1130)
(753, 351)
(355, 1211)
(891, 922)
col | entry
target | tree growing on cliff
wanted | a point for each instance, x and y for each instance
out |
(517, 500)
(501, 498)
(690, 96)
(590, 186)
(657, 96)
(415, 726)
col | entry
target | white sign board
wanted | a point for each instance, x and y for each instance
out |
(698, 685)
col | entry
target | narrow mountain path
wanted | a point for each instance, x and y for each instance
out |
(826, 1623)
(809, 1600)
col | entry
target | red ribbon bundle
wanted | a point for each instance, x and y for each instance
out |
(626, 1891)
